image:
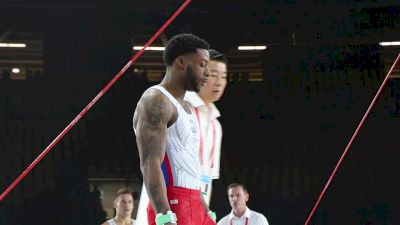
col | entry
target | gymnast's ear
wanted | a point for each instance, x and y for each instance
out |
(180, 62)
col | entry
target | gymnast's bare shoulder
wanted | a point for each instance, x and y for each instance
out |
(154, 108)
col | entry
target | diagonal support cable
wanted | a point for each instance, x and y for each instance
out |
(352, 139)
(91, 103)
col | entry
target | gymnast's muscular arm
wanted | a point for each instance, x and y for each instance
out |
(153, 113)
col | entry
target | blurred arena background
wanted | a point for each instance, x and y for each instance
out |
(287, 114)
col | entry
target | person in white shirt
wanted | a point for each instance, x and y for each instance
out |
(168, 137)
(210, 128)
(241, 214)
(123, 205)
(207, 115)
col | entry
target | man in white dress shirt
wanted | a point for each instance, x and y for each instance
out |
(241, 214)
(207, 115)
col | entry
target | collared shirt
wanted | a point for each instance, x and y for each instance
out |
(249, 218)
(210, 135)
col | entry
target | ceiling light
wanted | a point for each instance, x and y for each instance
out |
(389, 43)
(12, 45)
(15, 70)
(252, 48)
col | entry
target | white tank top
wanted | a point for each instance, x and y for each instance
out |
(112, 222)
(181, 165)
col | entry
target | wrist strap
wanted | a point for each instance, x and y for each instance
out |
(170, 217)
(213, 215)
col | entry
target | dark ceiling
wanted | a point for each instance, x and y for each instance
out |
(224, 23)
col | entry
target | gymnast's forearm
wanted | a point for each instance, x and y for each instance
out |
(155, 186)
